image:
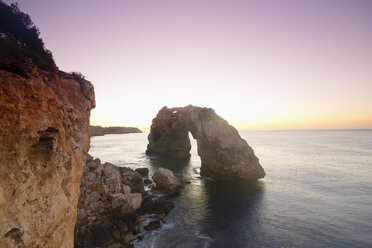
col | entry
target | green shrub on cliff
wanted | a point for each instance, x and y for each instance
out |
(19, 40)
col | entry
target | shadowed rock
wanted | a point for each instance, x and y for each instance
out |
(166, 180)
(224, 154)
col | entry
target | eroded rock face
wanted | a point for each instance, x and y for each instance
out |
(44, 138)
(224, 154)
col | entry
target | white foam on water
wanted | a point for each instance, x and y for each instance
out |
(204, 237)
(152, 236)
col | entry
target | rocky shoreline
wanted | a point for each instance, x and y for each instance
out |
(100, 131)
(118, 205)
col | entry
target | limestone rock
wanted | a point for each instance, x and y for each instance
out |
(105, 211)
(126, 204)
(159, 205)
(89, 158)
(143, 171)
(112, 177)
(132, 178)
(127, 237)
(103, 187)
(166, 180)
(224, 154)
(126, 189)
(44, 139)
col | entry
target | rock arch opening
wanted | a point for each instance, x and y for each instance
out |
(223, 153)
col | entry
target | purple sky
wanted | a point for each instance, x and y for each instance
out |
(260, 64)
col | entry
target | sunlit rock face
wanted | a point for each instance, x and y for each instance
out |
(224, 154)
(44, 138)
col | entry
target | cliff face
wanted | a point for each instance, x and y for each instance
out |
(100, 131)
(44, 138)
(223, 153)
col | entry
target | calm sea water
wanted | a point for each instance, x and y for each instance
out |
(317, 192)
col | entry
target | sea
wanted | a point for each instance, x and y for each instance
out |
(317, 192)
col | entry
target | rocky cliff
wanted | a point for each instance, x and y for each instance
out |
(223, 153)
(99, 131)
(44, 138)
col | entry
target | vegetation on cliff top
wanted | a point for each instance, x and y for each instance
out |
(20, 41)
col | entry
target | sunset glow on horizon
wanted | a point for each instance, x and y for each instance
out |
(260, 64)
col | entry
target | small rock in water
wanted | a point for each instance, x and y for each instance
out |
(166, 180)
(163, 205)
(152, 225)
(142, 171)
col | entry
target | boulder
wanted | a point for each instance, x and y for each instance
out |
(91, 198)
(88, 158)
(162, 205)
(101, 189)
(132, 178)
(165, 180)
(112, 178)
(126, 189)
(143, 171)
(126, 204)
(127, 237)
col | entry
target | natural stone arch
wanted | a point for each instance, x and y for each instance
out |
(223, 153)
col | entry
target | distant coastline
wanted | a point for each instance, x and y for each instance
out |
(100, 131)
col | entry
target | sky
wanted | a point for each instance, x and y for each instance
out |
(279, 64)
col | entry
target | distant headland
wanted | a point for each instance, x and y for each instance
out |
(100, 131)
